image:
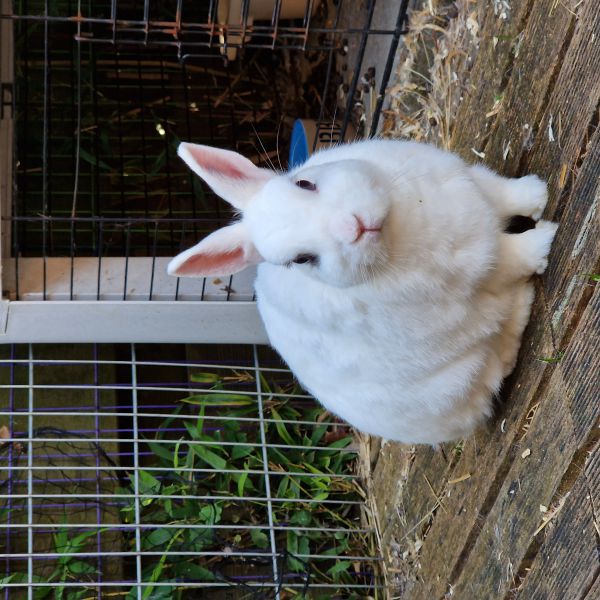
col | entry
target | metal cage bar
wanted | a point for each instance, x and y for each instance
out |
(100, 202)
(78, 496)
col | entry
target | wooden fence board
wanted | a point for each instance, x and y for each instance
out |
(483, 458)
(534, 479)
(576, 249)
(571, 109)
(483, 537)
(594, 591)
(567, 561)
(488, 76)
(539, 55)
(414, 502)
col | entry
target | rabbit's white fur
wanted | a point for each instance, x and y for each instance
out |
(413, 314)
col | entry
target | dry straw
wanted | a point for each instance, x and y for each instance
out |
(433, 70)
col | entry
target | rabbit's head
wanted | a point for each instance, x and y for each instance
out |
(329, 220)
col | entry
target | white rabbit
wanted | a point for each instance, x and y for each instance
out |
(386, 280)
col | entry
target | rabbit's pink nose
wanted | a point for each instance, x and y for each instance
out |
(372, 229)
(345, 229)
(351, 229)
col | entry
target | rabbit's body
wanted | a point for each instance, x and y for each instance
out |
(410, 310)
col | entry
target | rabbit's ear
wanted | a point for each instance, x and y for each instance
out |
(226, 251)
(229, 174)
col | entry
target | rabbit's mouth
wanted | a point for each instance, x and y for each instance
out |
(370, 229)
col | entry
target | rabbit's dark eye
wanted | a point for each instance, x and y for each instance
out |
(303, 259)
(306, 185)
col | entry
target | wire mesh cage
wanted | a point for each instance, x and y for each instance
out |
(124, 473)
(96, 97)
(168, 478)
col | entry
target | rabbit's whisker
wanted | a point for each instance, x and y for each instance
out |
(264, 151)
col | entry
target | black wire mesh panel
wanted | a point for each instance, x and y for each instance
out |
(97, 125)
(187, 477)
(97, 132)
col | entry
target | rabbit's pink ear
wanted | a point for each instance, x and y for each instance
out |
(226, 251)
(229, 174)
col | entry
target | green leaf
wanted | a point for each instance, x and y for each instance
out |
(172, 489)
(197, 539)
(147, 484)
(168, 504)
(264, 384)
(38, 594)
(341, 443)
(160, 593)
(294, 547)
(281, 430)
(321, 496)
(292, 542)
(61, 541)
(303, 545)
(78, 567)
(76, 543)
(158, 537)
(41, 593)
(241, 451)
(302, 517)
(210, 513)
(340, 567)
(552, 359)
(208, 456)
(204, 377)
(196, 572)
(176, 455)
(259, 538)
(90, 158)
(241, 484)
(277, 456)
(14, 578)
(218, 400)
(283, 487)
(318, 483)
(166, 424)
(77, 594)
(150, 591)
(318, 432)
(194, 430)
(162, 451)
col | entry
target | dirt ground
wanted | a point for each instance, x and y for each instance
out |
(511, 512)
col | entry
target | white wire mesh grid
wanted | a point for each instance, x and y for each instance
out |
(111, 485)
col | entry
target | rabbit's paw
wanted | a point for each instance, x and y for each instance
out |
(531, 195)
(539, 242)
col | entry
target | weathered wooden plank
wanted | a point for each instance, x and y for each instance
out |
(592, 474)
(552, 31)
(539, 54)
(484, 457)
(390, 472)
(488, 76)
(487, 455)
(389, 476)
(572, 255)
(581, 370)
(534, 479)
(417, 499)
(567, 560)
(572, 107)
(406, 502)
(594, 591)
(576, 249)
